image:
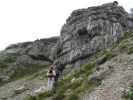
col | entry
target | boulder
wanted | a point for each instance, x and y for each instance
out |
(20, 89)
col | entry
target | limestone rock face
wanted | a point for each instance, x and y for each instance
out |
(90, 30)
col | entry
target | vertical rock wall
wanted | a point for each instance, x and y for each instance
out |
(90, 30)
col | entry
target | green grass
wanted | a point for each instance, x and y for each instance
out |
(129, 94)
(125, 44)
(66, 89)
(71, 97)
(32, 68)
(3, 65)
(43, 95)
(20, 70)
(30, 98)
(109, 54)
(70, 86)
(6, 59)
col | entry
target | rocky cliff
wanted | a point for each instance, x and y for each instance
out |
(90, 30)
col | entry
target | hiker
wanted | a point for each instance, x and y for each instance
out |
(56, 68)
(51, 78)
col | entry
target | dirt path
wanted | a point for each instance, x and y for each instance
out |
(116, 82)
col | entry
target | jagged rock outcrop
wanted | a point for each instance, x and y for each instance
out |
(90, 30)
(37, 48)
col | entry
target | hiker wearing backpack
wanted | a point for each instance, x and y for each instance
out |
(51, 78)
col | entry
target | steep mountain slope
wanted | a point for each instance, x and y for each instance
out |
(107, 76)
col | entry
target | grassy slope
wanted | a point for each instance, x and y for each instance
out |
(19, 71)
(33, 73)
(70, 86)
(33, 80)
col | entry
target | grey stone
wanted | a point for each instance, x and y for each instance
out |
(90, 30)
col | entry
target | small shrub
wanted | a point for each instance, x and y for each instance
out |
(61, 87)
(83, 87)
(130, 50)
(59, 91)
(126, 35)
(129, 94)
(3, 65)
(9, 60)
(58, 97)
(87, 67)
(72, 97)
(44, 94)
(109, 55)
(40, 96)
(30, 98)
